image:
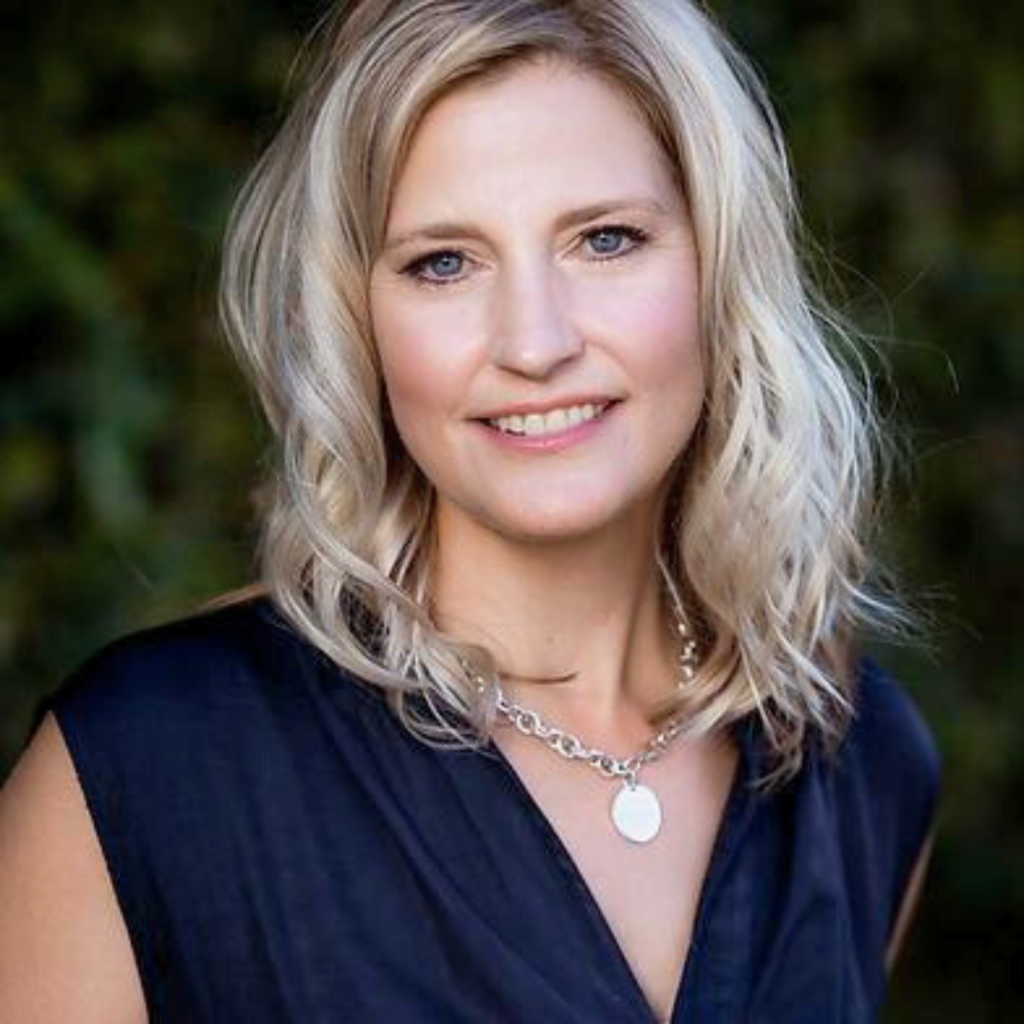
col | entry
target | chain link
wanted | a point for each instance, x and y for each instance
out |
(572, 748)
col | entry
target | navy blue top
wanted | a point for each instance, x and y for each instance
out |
(284, 851)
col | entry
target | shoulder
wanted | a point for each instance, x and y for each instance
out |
(888, 779)
(222, 656)
(189, 684)
(889, 739)
(176, 739)
(184, 653)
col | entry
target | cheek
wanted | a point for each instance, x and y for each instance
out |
(425, 357)
(659, 337)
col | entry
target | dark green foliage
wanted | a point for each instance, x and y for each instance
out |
(129, 448)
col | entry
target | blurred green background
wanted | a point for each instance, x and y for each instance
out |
(129, 447)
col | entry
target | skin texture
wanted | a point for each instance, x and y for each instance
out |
(64, 948)
(547, 557)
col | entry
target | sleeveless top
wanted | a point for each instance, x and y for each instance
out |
(283, 850)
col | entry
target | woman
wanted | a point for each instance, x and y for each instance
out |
(548, 705)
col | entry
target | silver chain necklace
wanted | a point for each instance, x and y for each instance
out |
(636, 809)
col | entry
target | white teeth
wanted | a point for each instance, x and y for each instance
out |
(553, 422)
(533, 424)
(556, 420)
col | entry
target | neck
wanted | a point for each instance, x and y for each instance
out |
(581, 629)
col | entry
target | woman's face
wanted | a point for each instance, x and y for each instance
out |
(539, 258)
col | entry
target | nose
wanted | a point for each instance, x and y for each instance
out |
(533, 330)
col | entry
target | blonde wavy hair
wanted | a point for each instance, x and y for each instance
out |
(765, 533)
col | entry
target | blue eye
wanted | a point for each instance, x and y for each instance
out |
(439, 261)
(443, 266)
(608, 239)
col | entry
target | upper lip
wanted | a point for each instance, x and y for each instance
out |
(525, 408)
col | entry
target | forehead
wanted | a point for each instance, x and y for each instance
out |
(539, 132)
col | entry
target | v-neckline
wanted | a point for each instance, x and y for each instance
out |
(735, 817)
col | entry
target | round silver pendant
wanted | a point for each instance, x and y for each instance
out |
(636, 813)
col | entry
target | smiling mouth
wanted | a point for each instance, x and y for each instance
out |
(549, 424)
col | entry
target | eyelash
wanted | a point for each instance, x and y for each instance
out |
(415, 269)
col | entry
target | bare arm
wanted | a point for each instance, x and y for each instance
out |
(911, 898)
(64, 948)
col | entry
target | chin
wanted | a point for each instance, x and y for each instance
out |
(540, 525)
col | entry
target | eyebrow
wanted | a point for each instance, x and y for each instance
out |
(451, 229)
